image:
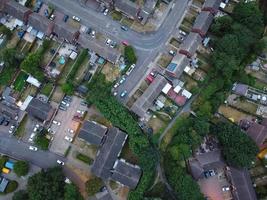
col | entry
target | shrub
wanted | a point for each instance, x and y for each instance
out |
(84, 158)
(21, 168)
(11, 187)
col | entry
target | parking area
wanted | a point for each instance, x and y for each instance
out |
(65, 124)
(31, 129)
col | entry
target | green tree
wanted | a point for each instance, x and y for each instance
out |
(20, 195)
(41, 141)
(93, 185)
(68, 88)
(222, 25)
(11, 57)
(72, 192)
(21, 168)
(129, 54)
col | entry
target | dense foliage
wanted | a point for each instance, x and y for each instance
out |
(21, 168)
(129, 55)
(93, 185)
(41, 141)
(238, 149)
(72, 192)
(99, 95)
(20, 195)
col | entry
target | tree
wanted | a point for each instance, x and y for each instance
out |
(47, 185)
(41, 141)
(222, 25)
(129, 55)
(20, 195)
(68, 88)
(93, 185)
(21, 168)
(11, 57)
(72, 192)
(239, 150)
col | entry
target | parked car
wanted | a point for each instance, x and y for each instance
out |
(113, 44)
(66, 17)
(56, 122)
(89, 30)
(69, 139)
(12, 129)
(70, 130)
(52, 17)
(172, 53)
(80, 112)
(106, 11)
(93, 34)
(116, 85)
(124, 28)
(131, 68)
(123, 94)
(108, 42)
(6, 122)
(76, 18)
(60, 162)
(62, 107)
(32, 137)
(65, 103)
(32, 148)
(122, 80)
(2, 119)
(225, 188)
(115, 93)
(125, 43)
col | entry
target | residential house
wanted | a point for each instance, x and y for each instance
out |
(105, 195)
(127, 7)
(147, 10)
(177, 65)
(240, 89)
(2, 5)
(63, 31)
(92, 132)
(110, 54)
(41, 23)
(17, 10)
(211, 6)
(40, 110)
(9, 110)
(7, 96)
(143, 103)
(190, 44)
(202, 23)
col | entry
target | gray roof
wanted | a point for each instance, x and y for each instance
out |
(150, 5)
(243, 189)
(128, 7)
(64, 31)
(125, 173)
(204, 162)
(10, 111)
(177, 65)
(92, 132)
(211, 5)
(240, 89)
(6, 95)
(3, 184)
(190, 44)
(202, 23)
(102, 196)
(108, 153)
(2, 4)
(17, 10)
(110, 54)
(143, 103)
(40, 110)
(41, 23)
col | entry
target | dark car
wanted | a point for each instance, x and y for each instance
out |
(89, 30)
(2, 119)
(66, 17)
(124, 28)
(6, 122)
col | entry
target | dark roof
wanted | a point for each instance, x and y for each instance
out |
(110, 54)
(3, 184)
(108, 153)
(125, 173)
(82, 89)
(177, 65)
(190, 44)
(2, 4)
(148, 8)
(63, 31)
(41, 23)
(9, 110)
(92, 132)
(240, 89)
(17, 10)
(102, 196)
(128, 7)
(143, 103)
(211, 5)
(202, 23)
(240, 179)
(40, 110)
(205, 161)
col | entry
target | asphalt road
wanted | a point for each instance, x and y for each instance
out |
(18, 149)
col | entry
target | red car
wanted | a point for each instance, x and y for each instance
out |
(125, 43)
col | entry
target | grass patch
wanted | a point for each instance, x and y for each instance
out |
(127, 22)
(21, 129)
(116, 16)
(84, 158)
(41, 141)
(175, 42)
(46, 90)
(20, 81)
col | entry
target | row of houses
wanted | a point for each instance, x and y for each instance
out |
(58, 28)
(180, 61)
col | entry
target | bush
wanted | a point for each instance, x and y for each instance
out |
(20, 195)
(42, 142)
(21, 168)
(93, 185)
(84, 158)
(129, 55)
(11, 187)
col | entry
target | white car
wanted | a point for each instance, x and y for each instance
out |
(32, 137)
(108, 42)
(115, 93)
(131, 68)
(76, 18)
(65, 103)
(56, 122)
(60, 162)
(80, 112)
(69, 139)
(106, 12)
(32, 148)
(122, 80)
(116, 85)
(93, 34)
(225, 188)
(12, 129)
(70, 130)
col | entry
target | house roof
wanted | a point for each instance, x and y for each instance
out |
(202, 23)
(41, 23)
(143, 103)
(180, 100)
(240, 89)
(110, 54)
(125, 173)
(92, 132)
(177, 65)
(243, 186)
(40, 110)
(108, 153)
(127, 7)
(211, 4)
(102, 196)
(3, 184)
(17, 10)
(9, 110)
(62, 30)
(2, 4)
(190, 44)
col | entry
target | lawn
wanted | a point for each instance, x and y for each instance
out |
(21, 128)
(174, 42)
(46, 90)
(231, 113)
(116, 15)
(20, 81)
(84, 158)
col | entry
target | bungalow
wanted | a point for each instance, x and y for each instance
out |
(63, 31)
(212, 6)
(190, 44)
(17, 10)
(177, 65)
(41, 23)
(202, 23)
(127, 7)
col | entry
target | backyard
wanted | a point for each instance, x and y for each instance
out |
(20, 81)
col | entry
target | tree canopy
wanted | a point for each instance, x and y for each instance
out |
(129, 55)
(21, 168)
(20, 195)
